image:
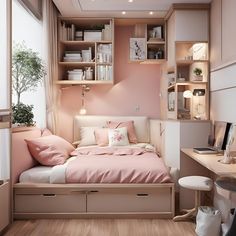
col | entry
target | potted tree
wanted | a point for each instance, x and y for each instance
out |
(198, 74)
(27, 73)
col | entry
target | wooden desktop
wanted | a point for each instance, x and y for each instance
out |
(192, 163)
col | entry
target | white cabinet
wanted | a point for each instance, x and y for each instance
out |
(223, 33)
(182, 134)
(191, 25)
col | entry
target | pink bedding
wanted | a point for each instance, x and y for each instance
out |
(116, 165)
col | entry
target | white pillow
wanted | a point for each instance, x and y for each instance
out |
(118, 137)
(87, 136)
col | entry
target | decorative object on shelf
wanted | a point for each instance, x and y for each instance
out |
(84, 89)
(159, 54)
(87, 55)
(88, 73)
(137, 48)
(199, 107)
(187, 94)
(198, 76)
(156, 34)
(171, 101)
(199, 51)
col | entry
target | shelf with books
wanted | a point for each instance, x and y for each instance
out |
(85, 50)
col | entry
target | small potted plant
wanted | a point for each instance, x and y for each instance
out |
(198, 74)
(22, 115)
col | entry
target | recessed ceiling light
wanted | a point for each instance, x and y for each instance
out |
(151, 13)
(130, 0)
(123, 12)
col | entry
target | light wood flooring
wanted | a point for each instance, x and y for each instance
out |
(101, 227)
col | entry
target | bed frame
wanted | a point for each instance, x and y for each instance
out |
(33, 201)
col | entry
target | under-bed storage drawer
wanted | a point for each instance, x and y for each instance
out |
(50, 203)
(131, 201)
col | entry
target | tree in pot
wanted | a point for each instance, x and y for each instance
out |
(23, 114)
(28, 72)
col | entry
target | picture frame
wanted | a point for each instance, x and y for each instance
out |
(137, 49)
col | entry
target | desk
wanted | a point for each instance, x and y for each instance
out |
(211, 162)
(208, 165)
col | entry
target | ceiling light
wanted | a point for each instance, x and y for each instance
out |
(130, 0)
(151, 13)
(123, 12)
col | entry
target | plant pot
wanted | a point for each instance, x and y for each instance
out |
(198, 78)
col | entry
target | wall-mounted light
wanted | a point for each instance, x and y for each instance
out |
(84, 89)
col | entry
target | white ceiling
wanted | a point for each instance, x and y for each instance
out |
(114, 8)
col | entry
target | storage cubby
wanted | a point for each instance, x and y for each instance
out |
(153, 34)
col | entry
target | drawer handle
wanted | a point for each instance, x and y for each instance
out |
(142, 194)
(94, 191)
(49, 195)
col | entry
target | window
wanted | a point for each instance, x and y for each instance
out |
(28, 30)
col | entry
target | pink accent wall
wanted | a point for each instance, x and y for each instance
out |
(135, 86)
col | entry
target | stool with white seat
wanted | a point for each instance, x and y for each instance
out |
(197, 183)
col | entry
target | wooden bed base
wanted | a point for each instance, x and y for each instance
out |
(32, 201)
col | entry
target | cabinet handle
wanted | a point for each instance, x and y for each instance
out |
(142, 194)
(93, 191)
(49, 195)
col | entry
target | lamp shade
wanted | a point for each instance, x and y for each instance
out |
(187, 94)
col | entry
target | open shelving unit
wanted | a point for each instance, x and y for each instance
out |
(154, 34)
(188, 81)
(85, 51)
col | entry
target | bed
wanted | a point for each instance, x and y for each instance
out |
(122, 182)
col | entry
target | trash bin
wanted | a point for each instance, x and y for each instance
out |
(208, 221)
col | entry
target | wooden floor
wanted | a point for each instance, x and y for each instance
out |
(101, 227)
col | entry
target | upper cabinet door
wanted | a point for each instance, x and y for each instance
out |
(192, 25)
(5, 40)
(228, 31)
(215, 55)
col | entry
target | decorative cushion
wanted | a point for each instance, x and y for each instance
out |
(87, 136)
(130, 128)
(118, 137)
(49, 150)
(101, 136)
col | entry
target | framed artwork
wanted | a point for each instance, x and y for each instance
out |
(137, 49)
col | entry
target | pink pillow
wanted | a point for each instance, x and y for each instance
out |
(101, 136)
(49, 150)
(130, 128)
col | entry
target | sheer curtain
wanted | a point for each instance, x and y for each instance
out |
(50, 14)
(5, 81)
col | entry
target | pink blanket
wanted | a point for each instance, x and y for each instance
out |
(116, 165)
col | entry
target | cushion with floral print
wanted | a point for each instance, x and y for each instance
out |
(118, 137)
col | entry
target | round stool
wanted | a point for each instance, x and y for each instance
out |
(197, 183)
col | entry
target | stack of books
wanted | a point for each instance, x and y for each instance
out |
(76, 74)
(104, 53)
(104, 72)
(72, 56)
(79, 35)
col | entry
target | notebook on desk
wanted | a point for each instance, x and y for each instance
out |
(221, 130)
